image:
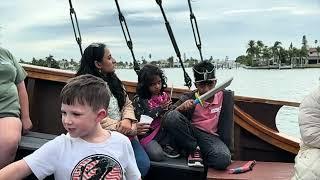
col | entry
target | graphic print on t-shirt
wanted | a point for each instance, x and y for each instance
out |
(97, 167)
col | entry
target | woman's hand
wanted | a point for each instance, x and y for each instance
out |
(26, 125)
(142, 128)
(133, 131)
(125, 126)
(24, 104)
(188, 104)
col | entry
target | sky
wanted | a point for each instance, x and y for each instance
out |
(37, 28)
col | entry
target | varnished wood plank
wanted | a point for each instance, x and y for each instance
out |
(261, 171)
(59, 75)
(64, 75)
(265, 101)
(280, 140)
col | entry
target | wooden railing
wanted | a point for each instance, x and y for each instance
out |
(265, 133)
(58, 75)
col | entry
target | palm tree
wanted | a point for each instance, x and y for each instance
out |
(51, 62)
(275, 51)
(283, 55)
(295, 53)
(266, 54)
(170, 61)
(304, 41)
(303, 53)
(290, 53)
(259, 48)
(251, 51)
(304, 49)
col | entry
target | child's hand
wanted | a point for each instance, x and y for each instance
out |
(166, 105)
(188, 104)
(142, 128)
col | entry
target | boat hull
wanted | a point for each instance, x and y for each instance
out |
(256, 136)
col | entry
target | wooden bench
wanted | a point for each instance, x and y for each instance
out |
(171, 169)
(34, 140)
(261, 171)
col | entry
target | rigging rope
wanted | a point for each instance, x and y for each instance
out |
(127, 37)
(194, 26)
(76, 31)
(187, 79)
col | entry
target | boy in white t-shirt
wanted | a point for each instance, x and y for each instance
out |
(87, 151)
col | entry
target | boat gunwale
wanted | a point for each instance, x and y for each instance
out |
(59, 75)
(265, 133)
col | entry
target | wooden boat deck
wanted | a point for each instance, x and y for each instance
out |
(261, 171)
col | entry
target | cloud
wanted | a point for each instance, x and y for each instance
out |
(36, 28)
(249, 11)
(287, 9)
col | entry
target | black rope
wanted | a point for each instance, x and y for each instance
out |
(77, 33)
(196, 33)
(127, 37)
(187, 79)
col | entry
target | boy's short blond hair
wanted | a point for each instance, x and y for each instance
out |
(86, 90)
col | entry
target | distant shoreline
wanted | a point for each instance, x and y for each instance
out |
(277, 67)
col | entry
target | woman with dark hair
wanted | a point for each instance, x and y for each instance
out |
(97, 60)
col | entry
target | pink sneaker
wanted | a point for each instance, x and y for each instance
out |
(195, 159)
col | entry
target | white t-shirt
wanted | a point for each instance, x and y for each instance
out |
(74, 158)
